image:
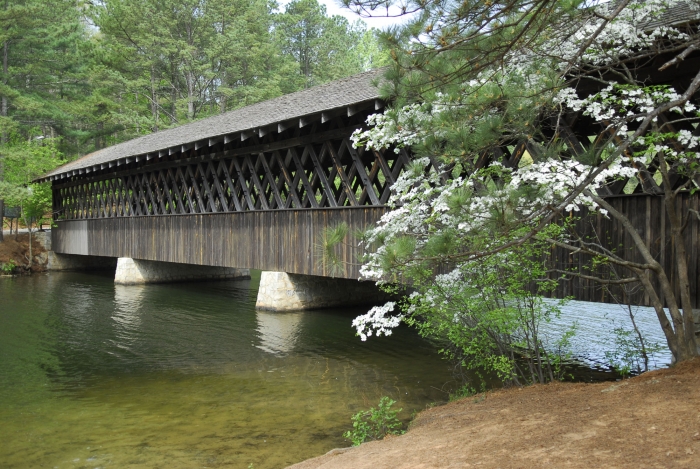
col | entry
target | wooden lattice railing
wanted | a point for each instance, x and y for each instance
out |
(312, 175)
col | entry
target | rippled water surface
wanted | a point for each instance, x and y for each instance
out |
(187, 375)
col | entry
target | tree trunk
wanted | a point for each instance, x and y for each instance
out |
(4, 104)
(3, 137)
(99, 136)
(29, 227)
(680, 337)
(189, 74)
(190, 95)
(2, 221)
(222, 97)
(154, 99)
(138, 126)
(684, 324)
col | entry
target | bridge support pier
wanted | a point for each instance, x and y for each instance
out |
(135, 271)
(280, 291)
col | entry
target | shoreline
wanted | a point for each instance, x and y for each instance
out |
(652, 420)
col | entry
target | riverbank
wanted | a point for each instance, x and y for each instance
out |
(15, 250)
(652, 421)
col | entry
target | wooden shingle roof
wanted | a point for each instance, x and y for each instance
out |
(323, 98)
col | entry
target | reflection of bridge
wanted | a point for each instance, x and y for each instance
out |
(256, 187)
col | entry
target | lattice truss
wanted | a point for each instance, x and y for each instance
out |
(328, 174)
(581, 138)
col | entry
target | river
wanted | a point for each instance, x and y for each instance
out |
(187, 375)
(96, 375)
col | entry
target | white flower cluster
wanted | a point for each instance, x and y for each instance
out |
(404, 128)
(423, 205)
(619, 105)
(412, 124)
(376, 321)
(634, 28)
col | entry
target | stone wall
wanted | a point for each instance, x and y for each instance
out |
(135, 271)
(280, 291)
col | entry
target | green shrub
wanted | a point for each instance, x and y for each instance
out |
(8, 267)
(375, 424)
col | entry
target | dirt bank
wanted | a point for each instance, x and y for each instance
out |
(16, 248)
(651, 421)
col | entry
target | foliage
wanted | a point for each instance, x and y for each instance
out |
(483, 314)
(465, 390)
(8, 267)
(23, 162)
(375, 424)
(631, 352)
(471, 81)
(331, 237)
(325, 48)
(171, 61)
(92, 74)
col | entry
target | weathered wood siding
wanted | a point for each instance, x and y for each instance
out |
(276, 240)
(648, 214)
(71, 237)
(287, 240)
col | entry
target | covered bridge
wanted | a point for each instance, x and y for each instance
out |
(255, 188)
(252, 188)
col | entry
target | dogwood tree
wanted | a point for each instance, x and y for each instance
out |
(477, 82)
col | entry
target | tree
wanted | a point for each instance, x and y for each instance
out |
(25, 161)
(163, 62)
(43, 85)
(475, 80)
(246, 54)
(325, 48)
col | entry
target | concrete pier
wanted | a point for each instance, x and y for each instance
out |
(281, 291)
(135, 272)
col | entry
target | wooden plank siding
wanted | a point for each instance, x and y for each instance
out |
(275, 240)
(286, 240)
(648, 215)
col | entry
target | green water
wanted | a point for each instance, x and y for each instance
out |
(187, 375)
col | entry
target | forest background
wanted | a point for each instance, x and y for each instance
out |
(81, 75)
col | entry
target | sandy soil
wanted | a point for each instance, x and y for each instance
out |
(651, 421)
(17, 249)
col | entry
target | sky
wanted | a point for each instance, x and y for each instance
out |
(333, 7)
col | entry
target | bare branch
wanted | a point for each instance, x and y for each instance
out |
(680, 57)
(598, 279)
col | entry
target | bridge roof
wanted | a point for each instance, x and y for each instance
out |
(323, 98)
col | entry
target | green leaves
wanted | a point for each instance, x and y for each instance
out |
(375, 424)
(326, 254)
(22, 162)
(325, 48)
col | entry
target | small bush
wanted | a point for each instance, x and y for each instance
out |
(8, 267)
(465, 390)
(375, 424)
(631, 353)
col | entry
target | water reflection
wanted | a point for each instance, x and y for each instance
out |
(187, 375)
(278, 332)
(127, 308)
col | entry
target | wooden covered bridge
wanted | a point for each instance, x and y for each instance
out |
(255, 188)
(251, 188)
